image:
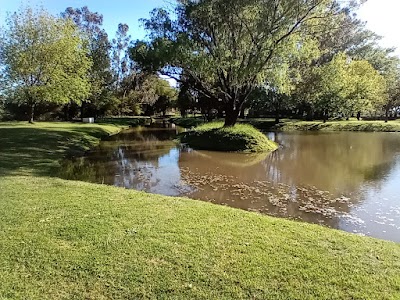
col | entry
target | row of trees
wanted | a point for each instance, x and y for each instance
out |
(67, 66)
(303, 58)
(309, 58)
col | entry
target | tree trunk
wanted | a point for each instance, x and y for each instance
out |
(325, 116)
(32, 113)
(242, 111)
(231, 117)
(359, 115)
(386, 115)
(277, 116)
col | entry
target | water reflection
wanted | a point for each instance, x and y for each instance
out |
(344, 180)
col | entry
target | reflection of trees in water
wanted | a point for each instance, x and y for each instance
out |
(337, 162)
(130, 159)
(145, 133)
(379, 204)
(341, 163)
(234, 180)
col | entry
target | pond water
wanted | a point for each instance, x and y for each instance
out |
(345, 180)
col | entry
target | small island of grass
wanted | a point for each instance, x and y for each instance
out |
(241, 137)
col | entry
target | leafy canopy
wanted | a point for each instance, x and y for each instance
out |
(230, 47)
(43, 59)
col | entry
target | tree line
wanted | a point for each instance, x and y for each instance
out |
(66, 66)
(310, 59)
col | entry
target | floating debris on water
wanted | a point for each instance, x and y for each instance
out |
(276, 199)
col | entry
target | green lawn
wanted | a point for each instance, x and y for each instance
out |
(352, 125)
(36, 149)
(72, 240)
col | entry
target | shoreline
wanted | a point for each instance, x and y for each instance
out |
(297, 125)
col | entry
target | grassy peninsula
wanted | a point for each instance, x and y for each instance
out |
(241, 137)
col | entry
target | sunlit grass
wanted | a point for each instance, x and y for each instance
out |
(298, 125)
(73, 240)
(37, 148)
(241, 137)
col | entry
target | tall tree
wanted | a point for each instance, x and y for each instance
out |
(167, 96)
(44, 59)
(120, 58)
(366, 89)
(90, 24)
(229, 47)
(392, 101)
(343, 87)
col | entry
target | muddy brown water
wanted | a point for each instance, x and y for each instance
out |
(345, 180)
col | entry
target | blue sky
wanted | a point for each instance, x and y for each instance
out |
(114, 12)
(381, 15)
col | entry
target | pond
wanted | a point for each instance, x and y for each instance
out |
(344, 180)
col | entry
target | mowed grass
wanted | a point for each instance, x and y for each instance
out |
(241, 137)
(37, 149)
(73, 240)
(351, 125)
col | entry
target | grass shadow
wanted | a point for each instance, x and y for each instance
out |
(37, 149)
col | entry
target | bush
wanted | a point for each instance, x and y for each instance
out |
(241, 137)
(188, 122)
(126, 121)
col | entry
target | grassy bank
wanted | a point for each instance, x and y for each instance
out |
(297, 125)
(241, 137)
(37, 149)
(188, 122)
(126, 121)
(72, 240)
(367, 126)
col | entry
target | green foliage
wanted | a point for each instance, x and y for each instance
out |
(98, 47)
(126, 121)
(186, 99)
(188, 122)
(267, 124)
(140, 92)
(343, 87)
(167, 96)
(119, 57)
(241, 137)
(366, 88)
(2, 110)
(44, 59)
(227, 48)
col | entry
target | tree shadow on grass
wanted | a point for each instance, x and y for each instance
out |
(38, 151)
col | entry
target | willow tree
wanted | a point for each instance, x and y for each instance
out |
(229, 47)
(43, 60)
